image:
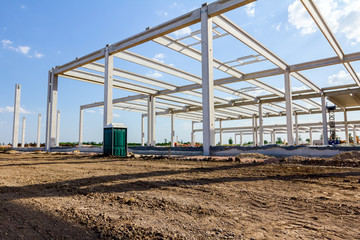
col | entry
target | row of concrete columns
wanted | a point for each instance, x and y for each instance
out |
(258, 130)
(272, 134)
(16, 121)
(151, 129)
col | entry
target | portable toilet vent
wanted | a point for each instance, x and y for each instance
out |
(115, 140)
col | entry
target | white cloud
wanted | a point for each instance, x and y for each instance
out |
(23, 6)
(298, 88)
(182, 32)
(342, 16)
(257, 92)
(38, 55)
(116, 115)
(162, 13)
(230, 98)
(277, 27)
(174, 5)
(7, 44)
(11, 109)
(154, 74)
(90, 111)
(340, 78)
(250, 9)
(159, 57)
(23, 49)
(299, 17)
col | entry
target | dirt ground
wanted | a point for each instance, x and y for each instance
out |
(72, 196)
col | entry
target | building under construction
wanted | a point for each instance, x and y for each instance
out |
(152, 97)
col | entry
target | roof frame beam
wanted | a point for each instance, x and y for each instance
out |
(227, 25)
(314, 12)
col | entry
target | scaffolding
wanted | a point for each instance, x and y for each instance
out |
(331, 112)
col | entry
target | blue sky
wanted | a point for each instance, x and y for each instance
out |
(37, 35)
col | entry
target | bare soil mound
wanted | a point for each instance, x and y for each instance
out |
(346, 159)
(348, 156)
(252, 156)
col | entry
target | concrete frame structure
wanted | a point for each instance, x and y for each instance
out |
(214, 25)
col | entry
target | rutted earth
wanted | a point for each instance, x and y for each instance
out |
(73, 196)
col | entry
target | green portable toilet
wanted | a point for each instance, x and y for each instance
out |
(115, 140)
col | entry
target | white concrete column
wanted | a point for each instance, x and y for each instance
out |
(15, 136)
(173, 131)
(142, 130)
(108, 88)
(254, 128)
(38, 131)
(296, 129)
(241, 138)
(346, 127)
(221, 132)
(235, 141)
(48, 108)
(289, 108)
(256, 131)
(151, 120)
(311, 136)
(51, 111)
(324, 120)
(81, 120)
(192, 133)
(273, 137)
(207, 81)
(354, 133)
(23, 133)
(57, 128)
(261, 128)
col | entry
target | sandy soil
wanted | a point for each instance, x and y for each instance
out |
(62, 196)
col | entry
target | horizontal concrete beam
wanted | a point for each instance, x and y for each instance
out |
(180, 22)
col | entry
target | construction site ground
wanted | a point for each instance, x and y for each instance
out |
(252, 196)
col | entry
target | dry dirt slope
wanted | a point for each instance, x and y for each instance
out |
(49, 196)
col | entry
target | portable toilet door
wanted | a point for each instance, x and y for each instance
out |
(108, 141)
(119, 142)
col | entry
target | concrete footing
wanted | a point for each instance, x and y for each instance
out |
(282, 151)
(271, 150)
